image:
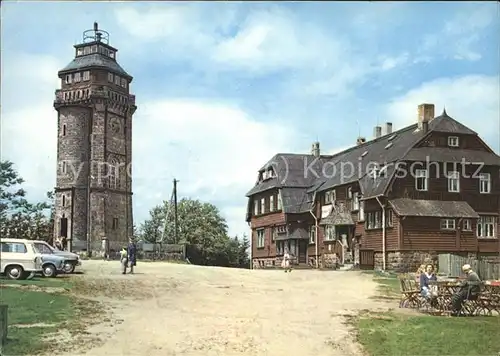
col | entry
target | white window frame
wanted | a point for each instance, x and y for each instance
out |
(86, 75)
(388, 218)
(453, 141)
(355, 199)
(124, 85)
(448, 224)
(484, 183)
(378, 219)
(422, 177)
(312, 234)
(280, 203)
(263, 206)
(361, 211)
(255, 207)
(79, 51)
(330, 196)
(261, 238)
(349, 193)
(86, 50)
(77, 77)
(486, 227)
(117, 80)
(111, 78)
(271, 203)
(329, 232)
(466, 225)
(453, 176)
(68, 79)
(370, 221)
(112, 54)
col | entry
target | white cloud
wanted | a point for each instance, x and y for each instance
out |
(473, 100)
(29, 121)
(459, 35)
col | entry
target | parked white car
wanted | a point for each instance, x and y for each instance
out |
(19, 259)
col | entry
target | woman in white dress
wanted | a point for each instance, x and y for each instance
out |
(286, 262)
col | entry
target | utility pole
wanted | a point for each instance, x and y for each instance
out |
(176, 222)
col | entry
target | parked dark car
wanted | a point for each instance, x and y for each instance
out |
(72, 260)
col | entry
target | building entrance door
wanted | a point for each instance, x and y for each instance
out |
(302, 251)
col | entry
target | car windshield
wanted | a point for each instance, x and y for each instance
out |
(43, 248)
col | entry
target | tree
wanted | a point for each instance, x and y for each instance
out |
(201, 227)
(18, 217)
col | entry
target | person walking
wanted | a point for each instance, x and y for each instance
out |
(132, 255)
(286, 262)
(124, 259)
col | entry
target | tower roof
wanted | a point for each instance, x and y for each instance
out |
(95, 60)
(101, 56)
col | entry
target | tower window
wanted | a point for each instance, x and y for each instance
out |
(68, 79)
(63, 200)
(112, 54)
(94, 49)
(77, 77)
(86, 50)
(117, 80)
(115, 223)
(124, 82)
(86, 75)
(110, 77)
(64, 166)
(79, 51)
(64, 129)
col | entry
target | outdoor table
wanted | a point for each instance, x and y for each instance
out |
(487, 303)
(445, 290)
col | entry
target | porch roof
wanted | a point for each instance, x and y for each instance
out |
(337, 218)
(433, 208)
(298, 233)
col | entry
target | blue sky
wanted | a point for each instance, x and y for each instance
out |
(221, 87)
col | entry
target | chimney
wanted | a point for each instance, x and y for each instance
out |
(377, 131)
(425, 113)
(360, 141)
(315, 149)
(425, 127)
(388, 128)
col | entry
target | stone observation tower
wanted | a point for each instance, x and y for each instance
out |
(93, 199)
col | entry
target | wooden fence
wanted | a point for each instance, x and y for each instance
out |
(486, 268)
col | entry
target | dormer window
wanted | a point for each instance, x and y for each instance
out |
(330, 196)
(453, 141)
(117, 80)
(112, 54)
(124, 83)
(68, 78)
(364, 153)
(86, 50)
(79, 51)
(93, 49)
(110, 77)
(86, 75)
(77, 77)
(392, 138)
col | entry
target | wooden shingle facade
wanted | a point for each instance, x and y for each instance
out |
(405, 196)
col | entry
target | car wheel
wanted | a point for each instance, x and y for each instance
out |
(15, 272)
(49, 271)
(69, 267)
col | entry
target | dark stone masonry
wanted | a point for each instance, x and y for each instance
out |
(93, 200)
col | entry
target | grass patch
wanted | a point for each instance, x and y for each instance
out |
(401, 335)
(36, 314)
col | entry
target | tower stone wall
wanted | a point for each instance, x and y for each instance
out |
(93, 200)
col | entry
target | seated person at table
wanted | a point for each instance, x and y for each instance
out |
(425, 289)
(469, 290)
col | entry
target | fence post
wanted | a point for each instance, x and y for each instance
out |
(3, 324)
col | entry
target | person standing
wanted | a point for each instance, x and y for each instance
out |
(286, 262)
(132, 254)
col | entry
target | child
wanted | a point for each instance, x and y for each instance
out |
(124, 259)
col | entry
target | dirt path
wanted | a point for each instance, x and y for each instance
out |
(191, 310)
